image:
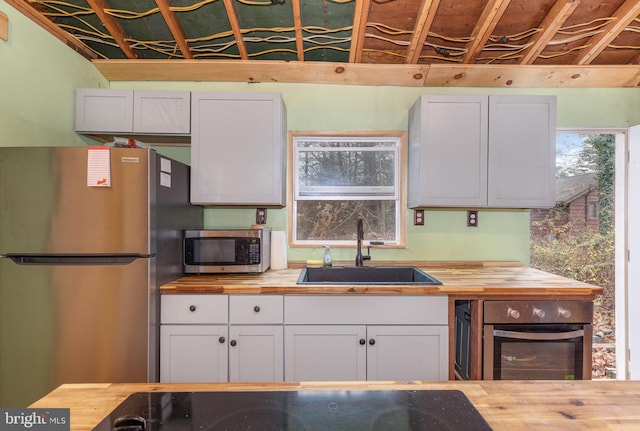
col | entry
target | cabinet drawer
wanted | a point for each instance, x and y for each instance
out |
(189, 309)
(366, 310)
(256, 309)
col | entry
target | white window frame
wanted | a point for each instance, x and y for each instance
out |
(395, 193)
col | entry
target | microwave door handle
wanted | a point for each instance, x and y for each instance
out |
(539, 336)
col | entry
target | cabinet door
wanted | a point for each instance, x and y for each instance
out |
(102, 110)
(522, 151)
(256, 353)
(407, 353)
(325, 353)
(448, 151)
(238, 149)
(162, 112)
(193, 353)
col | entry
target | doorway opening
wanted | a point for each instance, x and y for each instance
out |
(576, 238)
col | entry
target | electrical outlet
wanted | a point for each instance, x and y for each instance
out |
(261, 216)
(418, 217)
(472, 218)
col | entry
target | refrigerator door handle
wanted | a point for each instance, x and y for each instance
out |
(76, 259)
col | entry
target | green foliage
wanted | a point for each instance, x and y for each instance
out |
(582, 255)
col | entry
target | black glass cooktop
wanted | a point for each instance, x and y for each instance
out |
(432, 410)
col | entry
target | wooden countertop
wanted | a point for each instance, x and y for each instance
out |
(458, 278)
(505, 405)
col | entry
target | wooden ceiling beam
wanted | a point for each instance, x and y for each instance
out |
(490, 17)
(360, 17)
(113, 27)
(557, 16)
(402, 75)
(70, 40)
(297, 22)
(175, 27)
(235, 27)
(626, 13)
(423, 23)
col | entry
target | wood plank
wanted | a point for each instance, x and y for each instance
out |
(297, 24)
(623, 17)
(554, 20)
(113, 27)
(423, 23)
(360, 17)
(263, 71)
(235, 27)
(4, 26)
(472, 281)
(533, 76)
(491, 14)
(175, 27)
(505, 405)
(405, 75)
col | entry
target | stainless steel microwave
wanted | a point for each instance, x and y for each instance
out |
(212, 251)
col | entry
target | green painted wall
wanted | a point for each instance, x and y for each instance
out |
(39, 74)
(38, 78)
(500, 235)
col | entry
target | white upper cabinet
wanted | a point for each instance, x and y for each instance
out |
(482, 151)
(238, 149)
(100, 110)
(160, 112)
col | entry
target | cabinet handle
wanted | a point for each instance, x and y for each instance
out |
(256, 308)
(372, 341)
(221, 340)
(363, 341)
(192, 308)
(233, 343)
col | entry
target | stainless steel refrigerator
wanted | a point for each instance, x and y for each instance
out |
(81, 264)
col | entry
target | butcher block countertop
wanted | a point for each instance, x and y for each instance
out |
(505, 405)
(458, 278)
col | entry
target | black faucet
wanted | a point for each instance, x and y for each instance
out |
(359, 237)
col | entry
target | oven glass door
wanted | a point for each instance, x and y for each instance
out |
(536, 352)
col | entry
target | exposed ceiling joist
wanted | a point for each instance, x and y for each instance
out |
(488, 43)
(425, 18)
(557, 16)
(175, 27)
(490, 16)
(235, 27)
(359, 29)
(113, 27)
(622, 17)
(297, 23)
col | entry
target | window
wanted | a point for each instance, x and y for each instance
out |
(338, 179)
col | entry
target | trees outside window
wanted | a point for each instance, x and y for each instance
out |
(340, 178)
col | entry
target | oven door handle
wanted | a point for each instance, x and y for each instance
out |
(542, 336)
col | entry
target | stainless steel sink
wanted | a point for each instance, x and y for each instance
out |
(405, 275)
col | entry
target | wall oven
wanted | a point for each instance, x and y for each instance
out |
(537, 340)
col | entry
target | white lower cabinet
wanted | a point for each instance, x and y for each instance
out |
(358, 352)
(407, 352)
(256, 338)
(193, 353)
(256, 353)
(271, 338)
(325, 353)
(370, 338)
(193, 338)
